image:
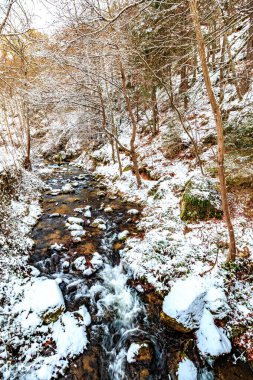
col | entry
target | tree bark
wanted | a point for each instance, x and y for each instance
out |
(134, 126)
(154, 110)
(219, 127)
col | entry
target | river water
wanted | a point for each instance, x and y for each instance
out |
(120, 316)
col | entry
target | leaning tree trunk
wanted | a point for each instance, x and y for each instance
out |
(219, 127)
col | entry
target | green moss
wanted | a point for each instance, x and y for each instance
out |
(127, 168)
(193, 208)
(240, 135)
(52, 316)
(199, 201)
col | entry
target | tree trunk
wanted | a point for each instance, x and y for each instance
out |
(219, 127)
(184, 84)
(245, 82)
(222, 68)
(134, 126)
(27, 160)
(154, 110)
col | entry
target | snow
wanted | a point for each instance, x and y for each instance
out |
(75, 220)
(75, 227)
(80, 263)
(211, 340)
(43, 295)
(78, 233)
(187, 370)
(67, 188)
(87, 214)
(185, 301)
(134, 350)
(133, 211)
(57, 247)
(123, 235)
(69, 335)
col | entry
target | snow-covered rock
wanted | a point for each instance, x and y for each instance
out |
(211, 340)
(187, 370)
(78, 233)
(55, 192)
(81, 264)
(83, 312)
(200, 200)
(75, 220)
(43, 297)
(134, 350)
(67, 188)
(87, 214)
(108, 209)
(133, 211)
(75, 227)
(191, 303)
(123, 235)
(69, 335)
(185, 302)
(57, 247)
(99, 223)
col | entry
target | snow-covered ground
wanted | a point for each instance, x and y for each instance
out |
(33, 320)
(171, 250)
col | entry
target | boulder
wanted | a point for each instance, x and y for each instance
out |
(187, 370)
(200, 200)
(211, 340)
(45, 299)
(194, 304)
(67, 188)
(185, 302)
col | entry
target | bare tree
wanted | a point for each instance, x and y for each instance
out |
(219, 128)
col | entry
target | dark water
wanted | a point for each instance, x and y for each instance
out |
(120, 316)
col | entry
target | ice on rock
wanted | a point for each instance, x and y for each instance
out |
(75, 220)
(211, 340)
(187, 370)
(185, 302)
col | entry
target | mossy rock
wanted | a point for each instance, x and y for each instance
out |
(200, 200)
(53, 316)
(128, 168)
(240, 135)
(173, 324)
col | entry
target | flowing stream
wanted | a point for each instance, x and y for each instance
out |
(119, 316)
